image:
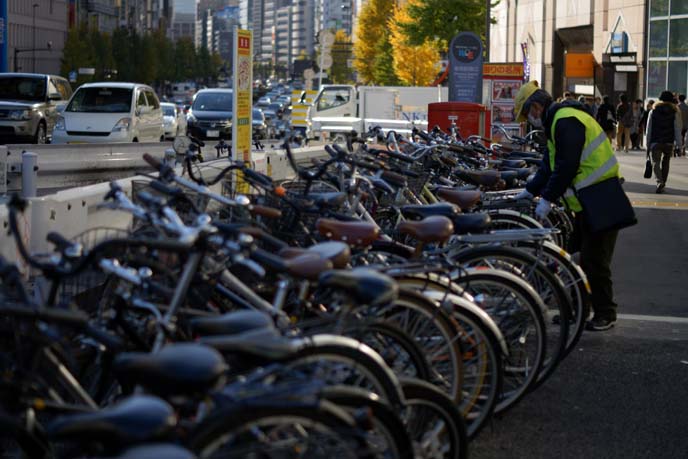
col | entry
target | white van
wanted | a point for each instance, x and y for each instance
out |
(111, 112)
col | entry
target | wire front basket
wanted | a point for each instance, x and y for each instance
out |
(185, 210)
(84, 289)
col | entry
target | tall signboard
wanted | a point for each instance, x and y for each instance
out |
(4, 58)
(503, 83)
(243, 94)
(466, 68)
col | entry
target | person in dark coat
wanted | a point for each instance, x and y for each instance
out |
(578, 155)
(606, 116)
(663, 136)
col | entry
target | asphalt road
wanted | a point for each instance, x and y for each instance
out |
(622, 393)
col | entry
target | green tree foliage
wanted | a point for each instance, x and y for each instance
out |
(125, 55)
(441, 20)
(383, 70)
(340, 73)
(370, 33)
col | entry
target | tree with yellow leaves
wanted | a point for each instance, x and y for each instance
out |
(372, 36)
(414, 65)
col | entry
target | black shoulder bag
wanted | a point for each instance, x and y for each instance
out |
(606, 206)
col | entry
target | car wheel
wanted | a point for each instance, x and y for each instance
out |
(41, 136)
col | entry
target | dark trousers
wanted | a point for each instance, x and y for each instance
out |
(661, 156)
(596, 252)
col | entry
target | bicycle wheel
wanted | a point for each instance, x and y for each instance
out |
(518, 312)
(435, 425)
(545, 283)
(388, 437)
(273, 429)
(399, 350)
(434, 333)
(574, 280)
(338, 360)
(482, 346)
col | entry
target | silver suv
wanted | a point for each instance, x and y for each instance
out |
(29, 106)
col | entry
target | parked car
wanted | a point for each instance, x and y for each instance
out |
(210, 116)
(29, 106)
(260, 129)
(263, 102)
(284, 100)
(173, 119)
(274, 110)
(111, 112)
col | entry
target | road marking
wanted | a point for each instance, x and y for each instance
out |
(643, 318)
(669, 204)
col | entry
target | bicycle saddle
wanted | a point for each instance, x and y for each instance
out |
(155, 450)
(353, 233)
(264, 345)
(307, 266)
(483, 178)
(523, 154)
(513, 163)
(336, 252)
(472, 223)
(521, 173)
(180, 368)
(231, 323)
(465, 199)
(419, 212)
(431, 229)
(366, 286)
(136, 418)
(509, 177)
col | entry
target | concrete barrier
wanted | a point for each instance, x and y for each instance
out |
(73, 211)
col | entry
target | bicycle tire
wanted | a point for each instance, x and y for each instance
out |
(422, 394)
(383, 416)
(220, 425)
(433, 330)
(576, 284)
(545, 283)
(521, 366)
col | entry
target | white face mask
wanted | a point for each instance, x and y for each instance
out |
(535, 122)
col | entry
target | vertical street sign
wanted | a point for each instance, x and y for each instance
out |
(243, 94)
(4, 58)
(466, 68)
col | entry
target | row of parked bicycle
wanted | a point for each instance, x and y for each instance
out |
(385, 303)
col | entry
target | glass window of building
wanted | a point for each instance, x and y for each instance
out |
(678, 77)
(656, 78)
(659, 8)
(679, 7)
(658, 38)
(678, 38)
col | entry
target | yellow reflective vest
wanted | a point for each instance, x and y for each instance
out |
(597, 162)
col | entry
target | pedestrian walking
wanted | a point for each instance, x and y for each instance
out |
(683, 107)
(624, 116)
(606, 117)
(643, 123)
(596, 106)
(663, 136)
(637, 108)
(578, 157)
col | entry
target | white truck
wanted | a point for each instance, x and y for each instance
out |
(338, 110)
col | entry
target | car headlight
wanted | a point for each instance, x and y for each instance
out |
(191, 120)
(59, 124)
(19, 115)
(122, 125)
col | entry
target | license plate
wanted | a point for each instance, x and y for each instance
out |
(212, 133)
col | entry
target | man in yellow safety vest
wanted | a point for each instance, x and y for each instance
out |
(579, 154)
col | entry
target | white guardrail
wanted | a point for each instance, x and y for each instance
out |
(74, 211)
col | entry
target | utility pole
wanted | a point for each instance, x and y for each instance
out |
(33, 46)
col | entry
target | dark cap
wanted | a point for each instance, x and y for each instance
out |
(666, 96)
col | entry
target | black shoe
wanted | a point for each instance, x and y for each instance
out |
(660, 188)
(599, 324)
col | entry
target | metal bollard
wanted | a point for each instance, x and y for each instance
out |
(29, 174)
